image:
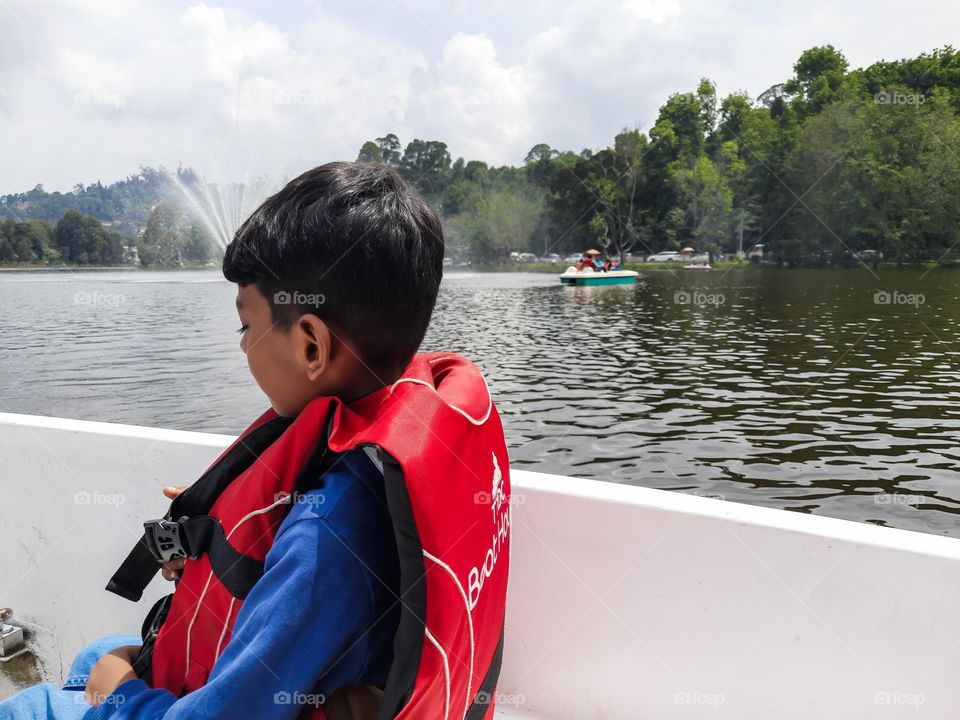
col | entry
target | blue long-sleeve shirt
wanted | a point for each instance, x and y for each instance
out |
(322, 616)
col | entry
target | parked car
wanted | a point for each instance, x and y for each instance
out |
(665, 256)
(551, 258)
(527, 257)
(572, 258)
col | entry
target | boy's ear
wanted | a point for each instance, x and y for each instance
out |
(315, 345)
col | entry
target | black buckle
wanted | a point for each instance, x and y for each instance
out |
(166, 540)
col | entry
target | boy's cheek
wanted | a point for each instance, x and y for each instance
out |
(274, 375)
(255, 363)
(257, 369)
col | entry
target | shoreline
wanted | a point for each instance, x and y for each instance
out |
(100, 268)
(558, 268)
(515, 267)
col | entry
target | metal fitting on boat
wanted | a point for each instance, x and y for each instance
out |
(11, 637)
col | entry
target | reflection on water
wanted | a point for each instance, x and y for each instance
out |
(829, 391)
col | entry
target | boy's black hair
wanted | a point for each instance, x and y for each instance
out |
(356, 246)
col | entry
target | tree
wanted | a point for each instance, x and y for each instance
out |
(26, 242)
(172, 238)
(389, 146)
(540, 153)
(426, 163)
(83, 240)
(818, 77)
(370, 152)
(828, 163)
(498, 223)
(198, 245)
(814, 168)
(539, 164)
(708, 201)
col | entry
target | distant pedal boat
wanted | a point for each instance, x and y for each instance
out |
(598, 277)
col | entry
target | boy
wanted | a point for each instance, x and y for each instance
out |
(342, 556)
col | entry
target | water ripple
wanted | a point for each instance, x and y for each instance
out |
(793, 390)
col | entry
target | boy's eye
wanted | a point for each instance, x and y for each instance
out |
(243, 329)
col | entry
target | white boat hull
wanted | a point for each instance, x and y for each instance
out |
(624, 602)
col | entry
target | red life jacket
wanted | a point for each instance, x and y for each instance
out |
(448, 491)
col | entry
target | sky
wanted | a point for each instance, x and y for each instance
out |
(91, 90)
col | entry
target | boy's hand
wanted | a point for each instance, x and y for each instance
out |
(173, 569)
(110, 672)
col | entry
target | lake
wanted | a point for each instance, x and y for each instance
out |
(824, 391)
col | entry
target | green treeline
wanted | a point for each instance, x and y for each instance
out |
(137, 220)
(170, 239)
(830, 163)
(127, 202)
(823, 167)
(77, 239)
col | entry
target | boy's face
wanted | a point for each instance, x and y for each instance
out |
(275, 355)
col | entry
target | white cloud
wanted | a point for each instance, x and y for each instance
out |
(482, 108)
(220, 90)
(92, 90)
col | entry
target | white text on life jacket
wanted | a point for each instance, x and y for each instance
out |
(501, 507)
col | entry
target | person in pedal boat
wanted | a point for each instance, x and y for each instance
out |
(347, 556)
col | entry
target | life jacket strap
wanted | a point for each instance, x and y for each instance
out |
(485, 695)
(140, 566)
(237, 572)
(143, 664)
(191, 537)
(135, 573)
